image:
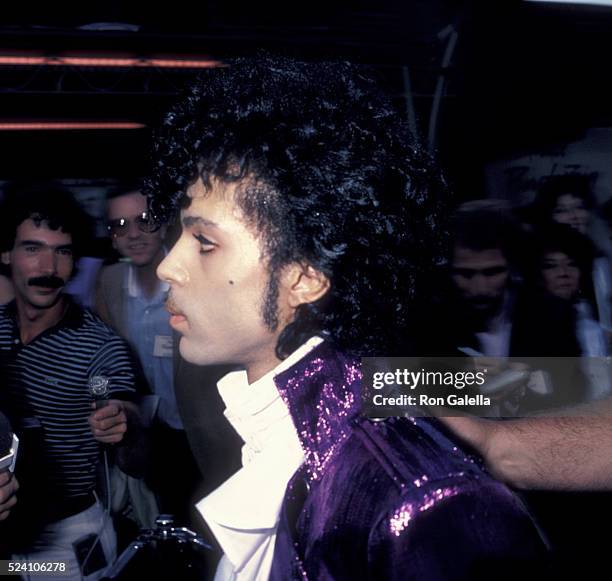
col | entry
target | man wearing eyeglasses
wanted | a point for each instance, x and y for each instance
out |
(131, 299)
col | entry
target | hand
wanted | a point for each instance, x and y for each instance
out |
(8, 487)
(109, 424)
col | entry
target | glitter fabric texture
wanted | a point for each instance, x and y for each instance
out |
(400, 520)
(323, 395)
(394, 499)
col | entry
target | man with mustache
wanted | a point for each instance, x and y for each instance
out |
(52, 351)
(309, 215)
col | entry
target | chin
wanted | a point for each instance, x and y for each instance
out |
(140, 261)
(191, 353)
(199, 353)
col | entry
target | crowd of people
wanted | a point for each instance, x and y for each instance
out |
(311, 224)
(527, 283)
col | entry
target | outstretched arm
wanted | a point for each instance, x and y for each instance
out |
(573, 452)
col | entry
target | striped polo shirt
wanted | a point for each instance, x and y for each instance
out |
(44, 391)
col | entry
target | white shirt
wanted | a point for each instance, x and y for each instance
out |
(243, 512)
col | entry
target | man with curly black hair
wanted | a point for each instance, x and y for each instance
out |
(309, 218)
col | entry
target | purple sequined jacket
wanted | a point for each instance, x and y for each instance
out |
(394, 499)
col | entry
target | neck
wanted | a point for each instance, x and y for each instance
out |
(258, 370)
(265, 362)
(33, 321)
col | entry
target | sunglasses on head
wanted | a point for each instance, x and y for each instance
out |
(145, 223)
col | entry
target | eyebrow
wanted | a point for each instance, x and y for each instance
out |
(190, 221)
(42, 244)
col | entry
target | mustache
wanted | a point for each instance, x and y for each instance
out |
(171, 305)
(47, 281)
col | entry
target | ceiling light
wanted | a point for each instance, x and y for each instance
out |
(109, 62)
(66, 125)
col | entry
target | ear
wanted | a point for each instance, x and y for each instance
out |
(304, 284)
(6, 258)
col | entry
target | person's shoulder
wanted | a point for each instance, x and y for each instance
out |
(457, 528)
(91, 323)
(410, 447)
(5, 316)
(412, 494)
(429, 482)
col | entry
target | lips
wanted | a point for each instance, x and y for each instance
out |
(172, 308)
(45, 289)
(176, 316)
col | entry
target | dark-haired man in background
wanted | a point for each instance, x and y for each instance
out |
(488, 309)
(308, 216)
(50, 351)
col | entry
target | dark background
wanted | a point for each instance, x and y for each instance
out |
(519, 74)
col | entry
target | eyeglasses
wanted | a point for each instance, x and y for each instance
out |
(145, 223)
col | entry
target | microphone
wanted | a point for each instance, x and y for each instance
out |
(9, 443)
(99, 391)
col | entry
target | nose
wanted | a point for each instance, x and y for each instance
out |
(133, 230)
(480, 284)
(48, 262)
(171, 268)
(563, 272)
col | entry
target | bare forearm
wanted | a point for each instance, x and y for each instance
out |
(562, 453)
(573, 452)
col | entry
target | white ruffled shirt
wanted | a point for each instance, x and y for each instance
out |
(243, 513)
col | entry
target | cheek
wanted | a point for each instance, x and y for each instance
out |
(117, 244)
(157, 237)
(500, 283)
(231, 307)
(23, 267)
(66, 266)
(460, 283)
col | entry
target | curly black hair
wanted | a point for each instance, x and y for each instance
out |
(44, 202)
(487, 224)
(328, 174)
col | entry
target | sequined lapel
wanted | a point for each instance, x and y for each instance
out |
(322, 392)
